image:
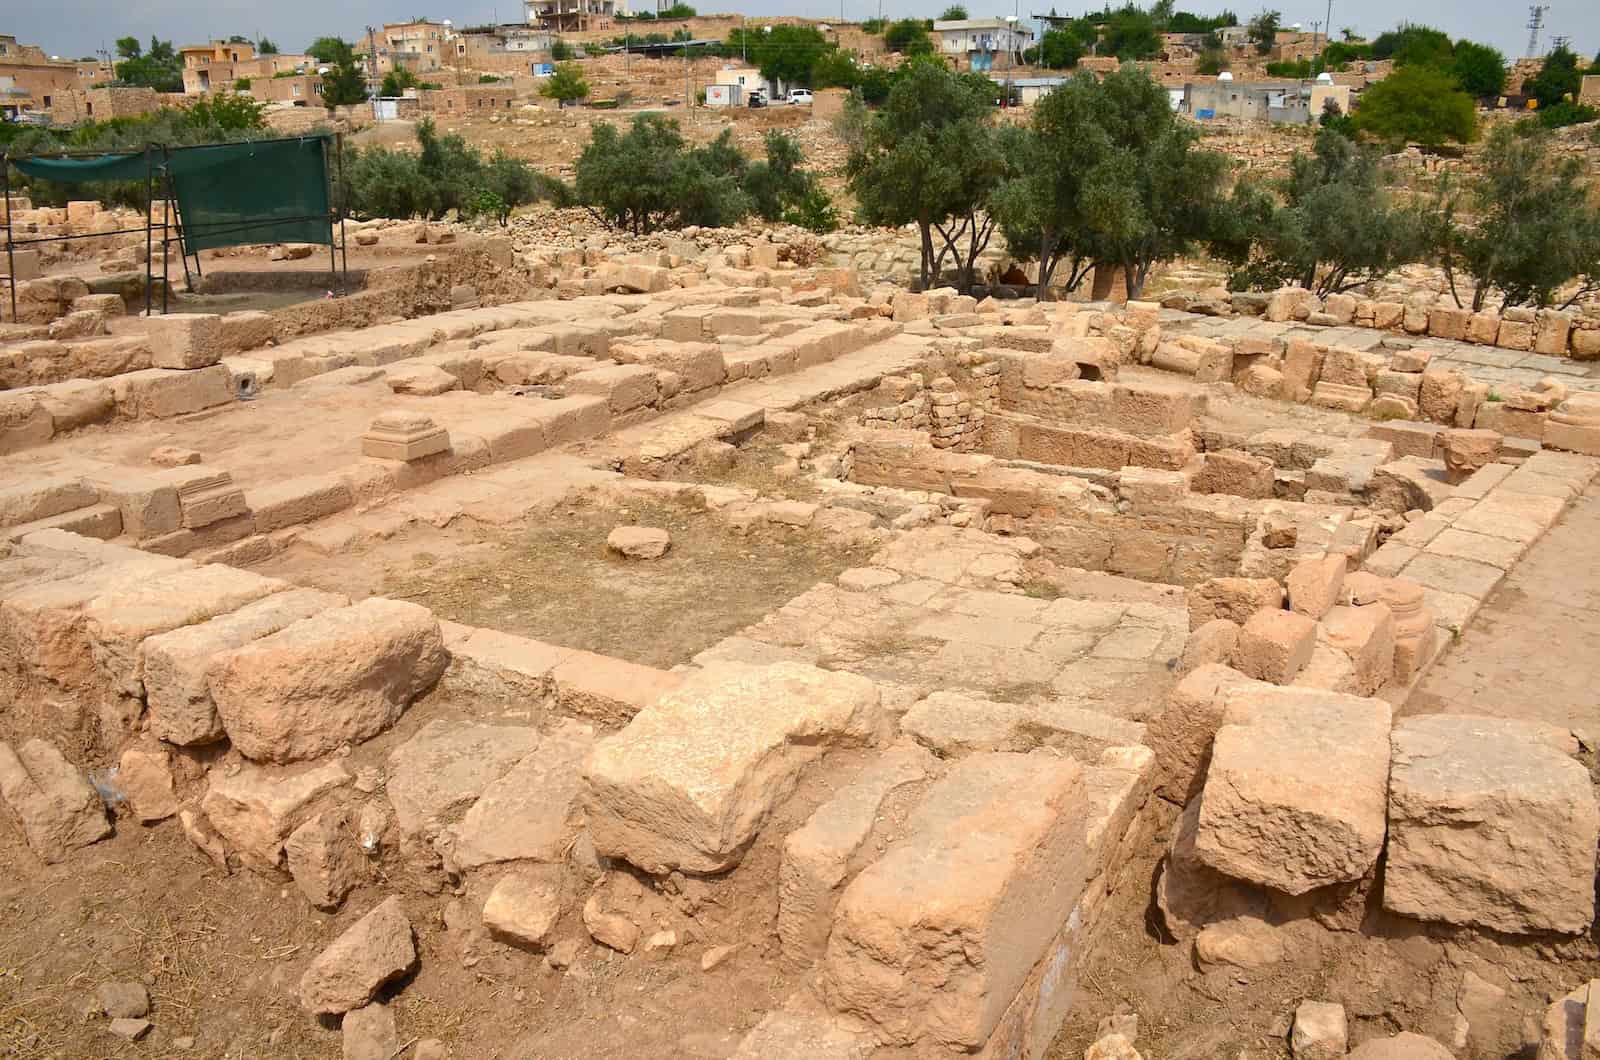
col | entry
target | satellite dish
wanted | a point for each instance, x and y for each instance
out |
(1324, 79)
(1225, 76)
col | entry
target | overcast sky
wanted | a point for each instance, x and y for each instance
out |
(72, 28)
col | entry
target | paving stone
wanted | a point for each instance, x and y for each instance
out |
(949, 724)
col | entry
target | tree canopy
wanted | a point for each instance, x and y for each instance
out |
(1533, 228)
(1263, 30)
(953, 13)
(909, 36)
(788, 53)
(160, 68)
(1418, 104)
(325, 49)
(566, 83)
(346, 80)
(1414, 43)
(930, 157)
(1130, 34)
(1110, 176)
(1062, 46)
(1479, 69)
(1335, 228)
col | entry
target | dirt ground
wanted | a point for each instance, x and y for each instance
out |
(553, 579)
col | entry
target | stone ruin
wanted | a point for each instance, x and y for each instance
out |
(1119, 576)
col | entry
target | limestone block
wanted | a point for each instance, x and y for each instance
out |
(1474, 802)
(118, 621)
(1235, 599)
(1214, 642)
(1440, 394)
(44, 496)
(523, 908)
(1295, 795)
(77, 403)
(1320, 1032)
(1465, 451)
(1387, 316)
(1365, 636)
(374, 950)
(160, 393)
(817, 856)
(291, 502)
(185, 340)
(175, 664)
(255, 811)
(1181, 734)
(1448, 322)
(949, 723)
(1403, 1046)
(992, 867)
(530, 813)
(692, 779)
(58, 809)
(339, 677)
(144, 776)
(323, 857)
(1236, 473)
(1314, 586)
(1484, 328)
(624, 386)
(1515, 334)
(24, 422)
(1274, 646)
(1550, 332)
(446, 766)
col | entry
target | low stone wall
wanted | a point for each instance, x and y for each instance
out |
(1559, 333)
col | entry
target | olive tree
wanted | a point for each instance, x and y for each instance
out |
(931, 157)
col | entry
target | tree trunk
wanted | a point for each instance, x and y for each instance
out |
(927, 252)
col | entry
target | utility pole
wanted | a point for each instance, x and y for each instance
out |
(1329, 24)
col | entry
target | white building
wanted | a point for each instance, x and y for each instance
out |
(975, 42)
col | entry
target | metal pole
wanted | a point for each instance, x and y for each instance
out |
(11, 260)
(149, 218)
(183, 250)
(344, 200)
(327, 183)
(166, 281)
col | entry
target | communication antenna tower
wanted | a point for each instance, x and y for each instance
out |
(1535, 24)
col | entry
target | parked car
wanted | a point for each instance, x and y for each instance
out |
(757, 98)
(800, 97)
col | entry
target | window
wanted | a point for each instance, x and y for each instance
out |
(47, 101)
(88, 108)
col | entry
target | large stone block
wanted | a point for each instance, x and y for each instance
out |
(1274, 646)
(256, 810)
(691, 781)
(932, 942)
(817, 856)
(297, 500)
(531, 812)
(339, 677)
(1294, 798)
(119, 621)
(58, 809)
(1181, 735)
(1491, 823)
(185, 340)
(1234, 599)
(445, 767)
(159, 393)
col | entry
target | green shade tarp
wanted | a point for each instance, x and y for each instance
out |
(267, 191)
